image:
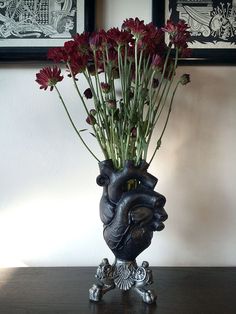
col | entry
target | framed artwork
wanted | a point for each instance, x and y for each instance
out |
(212, 25)
(28, 28)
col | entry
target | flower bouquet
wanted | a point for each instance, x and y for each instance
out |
(124, 114)
(130, 76)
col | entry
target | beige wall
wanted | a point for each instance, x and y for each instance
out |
(49, 198)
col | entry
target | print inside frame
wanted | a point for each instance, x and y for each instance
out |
(212, 26)
(28, 28)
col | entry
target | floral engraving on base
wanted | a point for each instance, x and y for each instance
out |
(123, 275)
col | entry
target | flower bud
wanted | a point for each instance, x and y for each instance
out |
(88, 93)
(115, 73)
(133, 132)
(111, 104)
(94, 41)
(185, 79)
(155, 83)
(91, 120)
(131, 94)
(157, 62)
(93, 112)
(105, 87)
(91, 69)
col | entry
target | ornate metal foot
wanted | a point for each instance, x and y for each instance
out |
(96, 292)
(123, 275)
(148, 296)
(105, 281)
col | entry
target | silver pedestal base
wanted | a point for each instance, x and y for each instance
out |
(123, 275)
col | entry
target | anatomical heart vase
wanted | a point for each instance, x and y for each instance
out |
(131, 211)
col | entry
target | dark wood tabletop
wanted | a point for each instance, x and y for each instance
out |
(64, 290)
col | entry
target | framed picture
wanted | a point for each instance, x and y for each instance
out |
(28, 28)
(212, 25)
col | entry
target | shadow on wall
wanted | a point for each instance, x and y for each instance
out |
(201, 153)
(100, 17)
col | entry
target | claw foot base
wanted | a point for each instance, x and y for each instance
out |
(123, 275)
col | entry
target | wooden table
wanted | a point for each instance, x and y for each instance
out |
(64, 290)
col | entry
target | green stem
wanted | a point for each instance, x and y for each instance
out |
(73, 125)
(86, 109)
(169, 80)
(165, 125)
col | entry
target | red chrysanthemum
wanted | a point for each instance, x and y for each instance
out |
(154, 40)
(98, 40)
(182, 26)
(70, 47)
(82, 42)
(179, 35)
(57, 54)
(77, 64)
(135, 26)
(49, 77)
(121, 37)
(170, 27)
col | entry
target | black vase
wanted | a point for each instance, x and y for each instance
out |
(131, 211)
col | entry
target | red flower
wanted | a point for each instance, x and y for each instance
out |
(70, 48)
(48, 77)
(82, 42)
(98, 40)
(78, 64)
(135, 26)
(155, 40)
(157, 62)
(152, 42)
(178, 33)
(73, 54)
(112, 59)
(170, 27)
(82, 39)
(182, 26)
(179, 40)
(119, 36)
(113, 56)
(57, 54)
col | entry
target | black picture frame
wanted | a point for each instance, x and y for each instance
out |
(39, 53)
(211, 56)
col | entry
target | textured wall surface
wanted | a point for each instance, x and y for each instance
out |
(49, 198)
